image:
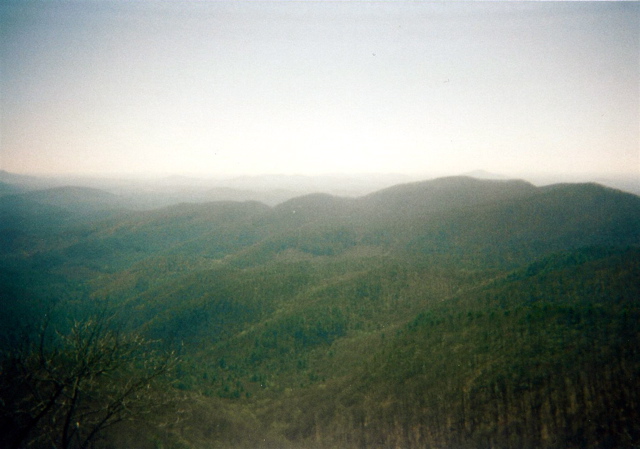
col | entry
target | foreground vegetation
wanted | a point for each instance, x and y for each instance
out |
(451, 313)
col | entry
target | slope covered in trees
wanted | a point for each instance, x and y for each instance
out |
(448, 313)
(542, 358)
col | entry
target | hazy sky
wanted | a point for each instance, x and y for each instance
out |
(319, 87)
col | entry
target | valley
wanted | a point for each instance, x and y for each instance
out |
(452, 312)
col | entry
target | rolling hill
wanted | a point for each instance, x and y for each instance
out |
(455, 312)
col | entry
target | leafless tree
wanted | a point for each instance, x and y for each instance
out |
(63, 391)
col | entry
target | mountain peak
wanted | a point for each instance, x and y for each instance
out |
(446, 193)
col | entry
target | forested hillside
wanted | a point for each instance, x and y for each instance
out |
(454, 312)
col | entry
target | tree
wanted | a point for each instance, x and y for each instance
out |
(63, 391)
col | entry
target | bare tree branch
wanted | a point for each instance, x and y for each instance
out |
(64, 395)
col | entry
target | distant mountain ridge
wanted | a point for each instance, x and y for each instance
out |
(461, 215)
(453, 214)
(446, 193)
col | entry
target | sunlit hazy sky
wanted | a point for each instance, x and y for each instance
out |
(309, 87)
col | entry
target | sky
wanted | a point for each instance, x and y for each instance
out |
(317, 87)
